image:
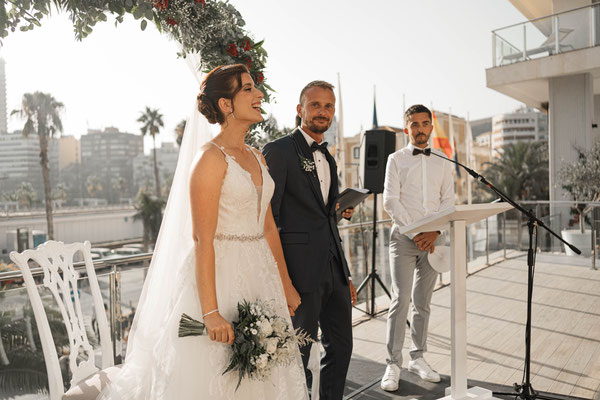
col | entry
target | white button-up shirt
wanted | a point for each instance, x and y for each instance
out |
(322, 167)
(416, 186)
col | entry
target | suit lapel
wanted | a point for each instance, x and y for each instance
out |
(333, 188)
(305, 151)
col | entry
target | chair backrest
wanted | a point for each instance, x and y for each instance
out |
(56, 261)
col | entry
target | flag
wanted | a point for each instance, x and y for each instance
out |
(375, 124)
(453, 142)
(440, 138)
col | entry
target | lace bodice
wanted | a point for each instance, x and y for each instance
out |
(243, 205)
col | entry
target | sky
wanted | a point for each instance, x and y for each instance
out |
(428, 51)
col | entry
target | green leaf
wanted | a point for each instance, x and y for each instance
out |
(144, 24)
(258, 45)
(138, 13)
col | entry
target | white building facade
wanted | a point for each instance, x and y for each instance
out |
(552, 62)
(525, 124)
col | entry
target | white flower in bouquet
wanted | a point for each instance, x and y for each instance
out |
(279, 326)
(262, 361)
(263, 340)
(265, 327)
(272, 345)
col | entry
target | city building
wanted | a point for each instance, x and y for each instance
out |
(525, 124)
(107, 156)
(20, 162)
(69, 152)
(551, 62)
(143, 166)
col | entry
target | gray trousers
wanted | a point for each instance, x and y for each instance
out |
(412, 276)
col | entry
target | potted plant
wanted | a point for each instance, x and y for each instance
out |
(581, 178)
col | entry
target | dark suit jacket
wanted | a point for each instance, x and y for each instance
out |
(306, 225)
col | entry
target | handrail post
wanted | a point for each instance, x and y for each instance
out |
(592, 25)
(524, 42)
(504, 233)
(493, 49)
(487, 242)
(594, 213)
(556, 34)
(115, 314)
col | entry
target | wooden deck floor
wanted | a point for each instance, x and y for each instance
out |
(565, 328)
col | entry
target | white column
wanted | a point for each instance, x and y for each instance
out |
(570, 118)
(458, 334)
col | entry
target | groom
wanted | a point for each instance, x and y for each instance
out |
(304, 205)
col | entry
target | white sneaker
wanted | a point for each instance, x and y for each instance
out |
(390, 379)
(421, 368)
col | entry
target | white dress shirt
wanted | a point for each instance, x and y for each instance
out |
(416, 186)
(322, 167)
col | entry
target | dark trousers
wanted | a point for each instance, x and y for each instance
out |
(330, 307)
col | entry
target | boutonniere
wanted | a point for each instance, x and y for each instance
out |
(306, 164)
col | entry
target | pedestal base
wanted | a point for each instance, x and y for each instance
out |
(474, 393)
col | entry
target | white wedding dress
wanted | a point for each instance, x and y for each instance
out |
(192, 367)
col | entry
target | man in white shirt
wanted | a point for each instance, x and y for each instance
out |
(416, 185)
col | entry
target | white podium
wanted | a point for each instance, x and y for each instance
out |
(458, 217)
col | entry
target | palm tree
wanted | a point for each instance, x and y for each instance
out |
(150, 212)
(41, 113)
(60, 193)
(120, 185)
(152, 122)
(179, 130)
(93, 185)
(26, 194)
(521, 171)
(26, 369)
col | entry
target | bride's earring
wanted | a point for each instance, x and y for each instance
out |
(232, 114)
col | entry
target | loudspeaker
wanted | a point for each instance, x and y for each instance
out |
(379, 144)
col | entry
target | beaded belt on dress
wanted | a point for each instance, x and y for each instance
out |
(239, 238)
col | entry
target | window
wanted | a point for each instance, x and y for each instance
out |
(356, 152)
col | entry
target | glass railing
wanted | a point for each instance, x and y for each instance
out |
(553, 34)
(121, 280)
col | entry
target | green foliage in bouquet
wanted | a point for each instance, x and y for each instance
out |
(262, 341)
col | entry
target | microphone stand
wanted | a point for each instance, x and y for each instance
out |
(523, 390)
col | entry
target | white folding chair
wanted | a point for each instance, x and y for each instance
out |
(56, 261)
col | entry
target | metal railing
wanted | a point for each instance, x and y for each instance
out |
(488, 242)
(545, 36)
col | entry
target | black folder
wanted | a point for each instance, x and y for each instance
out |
(350, 198)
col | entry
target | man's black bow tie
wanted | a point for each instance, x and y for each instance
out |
(316, 146)
(425, 152)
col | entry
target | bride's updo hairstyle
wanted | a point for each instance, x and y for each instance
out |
(224, 81)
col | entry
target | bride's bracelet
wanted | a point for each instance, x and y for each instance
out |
(211, 312)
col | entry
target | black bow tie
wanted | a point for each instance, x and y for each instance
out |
(425, 152)
(316, 146)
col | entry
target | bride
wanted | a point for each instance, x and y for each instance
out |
(218, 245)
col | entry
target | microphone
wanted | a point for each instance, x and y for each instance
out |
(469, 170)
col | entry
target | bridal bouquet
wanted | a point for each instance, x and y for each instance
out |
(262, 341)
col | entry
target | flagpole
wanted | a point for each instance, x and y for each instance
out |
(469, 146)
(341, 151)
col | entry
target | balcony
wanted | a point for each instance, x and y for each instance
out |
(529, 56)
(566, 349)
(546, 36)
